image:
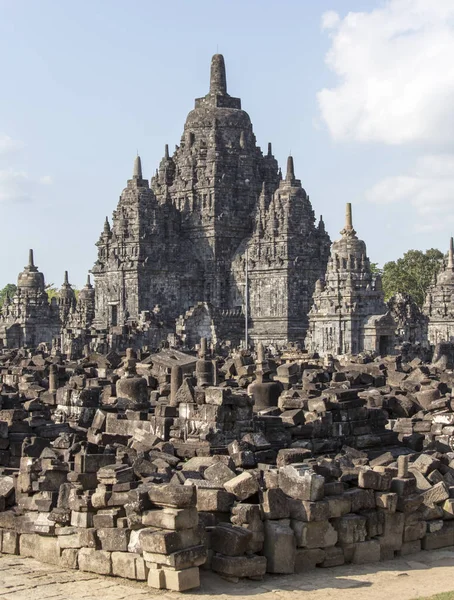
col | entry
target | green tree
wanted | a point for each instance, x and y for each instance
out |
(51, 291)
(375, 269)
(8, 290)
(412, 274)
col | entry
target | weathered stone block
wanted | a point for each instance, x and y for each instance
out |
(174, 496)
(239, 566)
(230, 540)
(308, 558)
(243, 486)
(438, 493)
(209, 500)
(366, 552)
(181, 580)
(171, 518)
(334, 557)
(42, 548)
(301, 483)
(439, 539)
(95, 561)
(69, 558)
(182, 559)
(166, 542)
(275, 504)
(10, 542)
(316, 534)
(350, 529)
(279, 547)
(114, 539)
(373, 480)
(338, 505)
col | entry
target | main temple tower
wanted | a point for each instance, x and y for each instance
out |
(181, 240)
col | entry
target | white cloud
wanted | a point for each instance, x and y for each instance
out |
(427, 191)
(395, 73)
(18, 186)
(330, 19)
(8, 144)
(15, 186)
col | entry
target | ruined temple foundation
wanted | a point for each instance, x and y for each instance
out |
(152, 468)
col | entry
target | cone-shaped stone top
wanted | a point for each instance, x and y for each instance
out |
(31, 264)
(348, 229)
(137, 173)
(218, 78)
(446, 274)
(87, 293)
(349, 245)
(290, 176)
(66, 291)
(31, 278)
(217, 96)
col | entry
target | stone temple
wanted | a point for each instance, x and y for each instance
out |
(220, 245)
(439, 304)
(349, 314)
(178, 245)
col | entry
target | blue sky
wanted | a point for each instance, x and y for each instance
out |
(360, 92)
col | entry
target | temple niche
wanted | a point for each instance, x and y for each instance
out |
(349, 314)
(439, 303)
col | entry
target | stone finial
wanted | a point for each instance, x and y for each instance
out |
(88, 284)
(137, 173)
(218, 79)
(260, 352)
(348, 229)
(270, 150)
(290, 176)
(451, 254)
(166, 152)
(321, 224)
(66, 280)
(176, 379)
(107, 226)
(30, 258)
(203, 347)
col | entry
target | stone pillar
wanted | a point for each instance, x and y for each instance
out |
(53, 384)
(402, 465)
(204, 367)
(176, 379)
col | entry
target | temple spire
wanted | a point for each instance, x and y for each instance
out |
(88, 284)
(270, 150)
(166, 152)
(348, 229)
(106, 226)
(137, 173)
(66, 281)
(218, 79)
(451, 254)
(290, 176)
(30, 258)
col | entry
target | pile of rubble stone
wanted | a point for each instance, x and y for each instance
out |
(151, 467)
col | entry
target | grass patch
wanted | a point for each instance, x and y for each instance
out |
(444, 596)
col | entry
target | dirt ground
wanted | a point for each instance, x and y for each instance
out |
(416, 576)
